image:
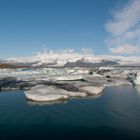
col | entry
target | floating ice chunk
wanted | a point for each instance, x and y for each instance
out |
(106, 68)
(70, 77)
(39, 96)
(134, 78)
(120, 82)
(92, 89)
(50, 93)
(136, 81)
(96, 75)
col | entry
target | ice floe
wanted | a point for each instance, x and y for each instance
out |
(50, 93)
(92, 90)
(70, 77)
(136, 81)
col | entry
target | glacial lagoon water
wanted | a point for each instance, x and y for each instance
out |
(115, 114)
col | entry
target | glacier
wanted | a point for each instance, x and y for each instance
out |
(59, 58)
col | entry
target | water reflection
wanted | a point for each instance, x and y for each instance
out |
(94, 96)
(137, 89)
(32, 103)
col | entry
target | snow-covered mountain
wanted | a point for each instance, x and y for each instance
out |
(70, 58)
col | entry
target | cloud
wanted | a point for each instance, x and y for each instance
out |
(128, 48)
(86, 51)
(124, 28)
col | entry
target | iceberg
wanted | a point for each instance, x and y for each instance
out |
(50, 93)
(134, 77)
(69, 77)
(136, 81)
(92, 89)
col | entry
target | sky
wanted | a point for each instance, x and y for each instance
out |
(109, 27)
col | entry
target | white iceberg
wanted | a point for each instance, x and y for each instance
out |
(136, 81)
(70, 77)
(53, 93)
(92, 89)
(106, 68)
(50, 93)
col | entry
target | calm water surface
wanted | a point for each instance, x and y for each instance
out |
(113, 115)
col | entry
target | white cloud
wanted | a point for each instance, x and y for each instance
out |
(124, 28)
(128, 48)
(86, 51)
